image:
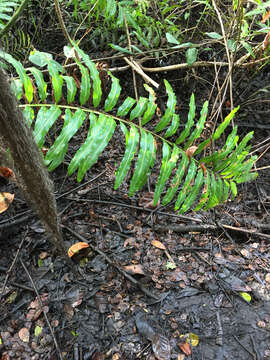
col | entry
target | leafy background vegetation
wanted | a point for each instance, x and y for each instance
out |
(197, 169)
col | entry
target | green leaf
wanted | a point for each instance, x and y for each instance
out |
(191, 55)
(113, 95)
(214, 35)
(248, 48)
(219, 189)
(17, 88)
(219, 156)
(71, 88)
(38, 330)
(184, 45)
(240, 168)
(98, 138)
(173, 127)
(139, 108)
(224, 124)
(145, 161)
(123, 109)
(187, 184)
(4, 17)
(57, 83)
(213, 200)
(85, 84)
(120, 17)
(233, 189)
(190, 122)
(189, 200)
(40, 59)
(131, 21)
(94, 73)
(29, 115)
(168, 164)
(170, 108)
(111, 8)
(151, 106)
(238, 157)
(259, 10)
(132, 140)
(170, 265)
(28, 88)
(176, 181)
(42, 86)
(137, 49)
(232, 45)
(119, 48)
(202, 146)
(245, 296)
(171, 39)
(142, 39)
(226, 189)
(45, 120)
(58, 150)
(205, 194)
(199, 126)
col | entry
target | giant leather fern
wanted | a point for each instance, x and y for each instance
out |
(190, 178)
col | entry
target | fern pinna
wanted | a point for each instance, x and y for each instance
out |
(189, 177)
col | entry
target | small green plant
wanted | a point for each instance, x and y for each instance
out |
(147, 21)
(189, 176)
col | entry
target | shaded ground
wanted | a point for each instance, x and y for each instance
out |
(192, 287)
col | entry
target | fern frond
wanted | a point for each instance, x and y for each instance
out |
(9, 13)
(193, 180)
(16, 43)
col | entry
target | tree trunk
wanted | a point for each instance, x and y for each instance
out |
(31, 175)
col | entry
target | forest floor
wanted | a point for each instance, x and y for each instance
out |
(153, 279)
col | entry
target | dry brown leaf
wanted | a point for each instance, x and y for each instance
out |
(180, 357)
(69, 311)
(267, 278)
(266, 17)
(5, 200)
(266, 41)
(24, 335)
(43, 255)
(134, 269)
(158, 244)
(147, 200)
(191, 150)
(185, 347)
(6, 172)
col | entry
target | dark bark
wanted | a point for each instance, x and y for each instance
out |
(31, 175)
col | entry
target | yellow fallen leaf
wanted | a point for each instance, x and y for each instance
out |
(158, 244)
(38, 330)
(5, 200)
(191, 339)
(245, 296)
